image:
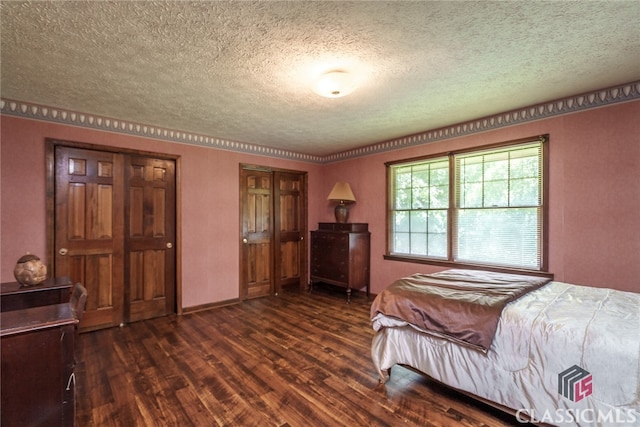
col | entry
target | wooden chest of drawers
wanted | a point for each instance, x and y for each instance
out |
(340, 255)
(38, 380)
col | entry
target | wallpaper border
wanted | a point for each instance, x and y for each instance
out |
(613, 95)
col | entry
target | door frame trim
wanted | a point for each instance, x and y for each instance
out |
(50, 174)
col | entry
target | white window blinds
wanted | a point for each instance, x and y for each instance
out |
(494, 216)
(498, 209)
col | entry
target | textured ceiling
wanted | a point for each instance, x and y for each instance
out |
(243, 70)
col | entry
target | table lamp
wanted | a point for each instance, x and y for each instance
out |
(342, 194)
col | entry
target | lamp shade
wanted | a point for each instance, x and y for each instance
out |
(341, 193)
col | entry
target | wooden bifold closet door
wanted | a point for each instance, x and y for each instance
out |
(150, 238)
(114, 222)
(273, 249)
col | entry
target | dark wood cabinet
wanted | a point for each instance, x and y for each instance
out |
(340, 255)
(38, 383)
(14, 296)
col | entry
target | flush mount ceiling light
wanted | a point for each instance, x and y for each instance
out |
(334, 84)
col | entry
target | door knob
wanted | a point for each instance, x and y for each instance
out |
(63, 251)
(169, 245)
(245, 240)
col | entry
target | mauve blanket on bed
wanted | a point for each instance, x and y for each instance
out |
(460, 305)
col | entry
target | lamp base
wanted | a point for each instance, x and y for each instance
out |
(342, 213)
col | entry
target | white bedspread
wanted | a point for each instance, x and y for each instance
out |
(539, 336)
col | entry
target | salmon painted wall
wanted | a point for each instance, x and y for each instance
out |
(594, 198)
(210, 201)
(594, 195)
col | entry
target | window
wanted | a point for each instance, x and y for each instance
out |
(484, 207)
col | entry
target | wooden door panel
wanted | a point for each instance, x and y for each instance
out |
(259, 213)
(290, 256)
(94, 271)
(257, 232)
(76, 207)
(158, 223)
(90, 211)
(150, 214)
(147, 292)
(87, 215)
(291, 228)
(97, 276)
(259, 281)
(289, 215)
(136, 212)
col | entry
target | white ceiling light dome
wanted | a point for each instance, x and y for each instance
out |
(335, 84)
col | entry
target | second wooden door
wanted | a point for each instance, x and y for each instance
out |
(290, 228)
(150, 238)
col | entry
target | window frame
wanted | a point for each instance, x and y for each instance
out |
(451, 155)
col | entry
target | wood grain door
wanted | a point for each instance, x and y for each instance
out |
(150, 238)
(256, 257)
(273, 252)
(114, 230)
(89, 229)
(290, 226)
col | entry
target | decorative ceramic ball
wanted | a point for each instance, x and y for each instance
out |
(30, 270)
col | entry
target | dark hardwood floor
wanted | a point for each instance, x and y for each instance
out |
(291, 360)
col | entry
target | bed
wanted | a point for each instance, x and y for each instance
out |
(546, 351)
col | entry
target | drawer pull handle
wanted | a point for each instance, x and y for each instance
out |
(72, 379)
